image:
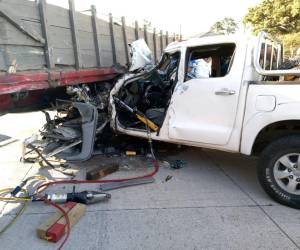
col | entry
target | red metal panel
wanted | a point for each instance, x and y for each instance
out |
(5, 102)
(44, 80)
(34, 83)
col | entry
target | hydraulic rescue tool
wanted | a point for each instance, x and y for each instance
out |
(85, 197)
(139, 115)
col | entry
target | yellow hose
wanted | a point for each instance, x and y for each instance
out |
(24, 199)
(20, 212)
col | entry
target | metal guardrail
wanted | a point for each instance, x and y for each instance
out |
(262, 39)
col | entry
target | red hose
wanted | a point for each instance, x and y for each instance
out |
(65, 214)
(46, 185)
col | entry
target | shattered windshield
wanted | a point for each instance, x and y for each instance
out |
(168, 66)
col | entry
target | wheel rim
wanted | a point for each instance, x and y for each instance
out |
(287, 173)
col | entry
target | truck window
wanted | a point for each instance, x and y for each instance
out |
(209, 61)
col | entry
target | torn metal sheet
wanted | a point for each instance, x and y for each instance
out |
(141, 55)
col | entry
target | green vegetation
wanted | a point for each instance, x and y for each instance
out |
(226, 26)
(281, 18)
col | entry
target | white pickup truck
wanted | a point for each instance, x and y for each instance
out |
(242, 103)
(244, 106)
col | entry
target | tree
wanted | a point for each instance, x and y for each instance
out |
(291, 43)
(275, 17)
(280, 18)
(225, 26)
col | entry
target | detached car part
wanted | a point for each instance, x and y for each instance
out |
(89, 117)
(71, 134)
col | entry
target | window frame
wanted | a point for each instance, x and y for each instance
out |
(170, 54)
(190, 50)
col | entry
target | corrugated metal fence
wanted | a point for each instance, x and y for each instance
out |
(39, 36)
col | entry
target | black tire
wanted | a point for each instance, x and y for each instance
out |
(265, 169)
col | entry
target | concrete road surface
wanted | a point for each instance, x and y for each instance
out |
(213, 202)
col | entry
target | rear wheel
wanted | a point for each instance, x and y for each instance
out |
(279, 170)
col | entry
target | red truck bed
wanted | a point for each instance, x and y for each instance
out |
(27, 90)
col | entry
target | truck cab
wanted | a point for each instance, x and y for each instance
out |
(185, 116)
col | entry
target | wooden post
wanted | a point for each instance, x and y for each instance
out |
(136, 30)
(174, 37)
(167, 38)
(44, 23)
(77, 55)
(161, 42)
(125, 39)
(145, 34)
(95, 35)
(154, 45)
(112, 38)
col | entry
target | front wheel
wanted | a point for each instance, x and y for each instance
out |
(279, 170)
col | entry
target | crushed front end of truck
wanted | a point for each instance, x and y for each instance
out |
(87, 116)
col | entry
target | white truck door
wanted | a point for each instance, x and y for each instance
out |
(204, 110)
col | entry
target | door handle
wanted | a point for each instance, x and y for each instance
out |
(225, 91)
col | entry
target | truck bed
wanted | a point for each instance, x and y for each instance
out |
(40, 36)
(43, 46)
(33, 90)
(292, 82)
